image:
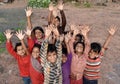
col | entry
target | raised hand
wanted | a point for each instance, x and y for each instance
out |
(112, 30)
(28, 12)
(75, 29)
(8, 34)
(48, 31)
(55, 12)
(28, 32)
(20, 34)
(60, 5)
(85, 30)
(55, 30)
(51, 7)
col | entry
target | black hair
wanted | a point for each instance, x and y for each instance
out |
(81, 37)
(16, 45)
(80, 43)
(58, 18)
(51, 48)
(37, 45)
(64, 51)
(96, 47)
(38, 28)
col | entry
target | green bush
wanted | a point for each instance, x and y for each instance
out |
(38, 3)
(2, 38)
(87, 4)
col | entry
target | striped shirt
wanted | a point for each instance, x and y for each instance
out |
(92, 69)
(52, 72)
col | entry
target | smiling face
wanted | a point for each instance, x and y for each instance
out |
(79, 48)
(93, 54)
(20, 50)
(52, 57)
(35, 52)
(38, 34)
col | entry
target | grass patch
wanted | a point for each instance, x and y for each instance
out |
(2, 38)
(2, 50)
(38, 3)
(87, 4)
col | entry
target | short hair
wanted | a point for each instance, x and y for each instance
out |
(81, 37)
(96, 47)
(37, 45)
(51, 48)
(79, 43)
(38, 28)
(64, 51)
(58, 18)
(16, 45)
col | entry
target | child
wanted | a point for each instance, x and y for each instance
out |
(20, 54)
(37, 33)
(79, 53)
(92, 69)
(36, 71)
(51, 59)
(55, 20)
(66, 62)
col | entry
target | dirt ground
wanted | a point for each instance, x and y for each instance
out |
(100, 18)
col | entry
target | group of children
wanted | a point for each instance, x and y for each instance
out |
(54, 56)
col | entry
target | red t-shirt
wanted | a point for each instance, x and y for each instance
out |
(36, 72)
(23, 62)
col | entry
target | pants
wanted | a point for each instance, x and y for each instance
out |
(86, 81)
(26, 80)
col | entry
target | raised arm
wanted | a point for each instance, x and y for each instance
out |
(59, 49)
(75, 32)
(111, 31)
(55, 31)
(50, 15)
(28, 15)
(20, 35)
(84, 31)
(44, 46)
(67, 39)
(9, 46)
(60, 7)
(43, 52)
(59, 59)
(29, 39)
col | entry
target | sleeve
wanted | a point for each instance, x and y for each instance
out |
(60, 79)
(63, 20)
(71, 46)
(101, 54)
(69, 56)
(11, 50)
(43, 52)
(30, 43)
(59, 51)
